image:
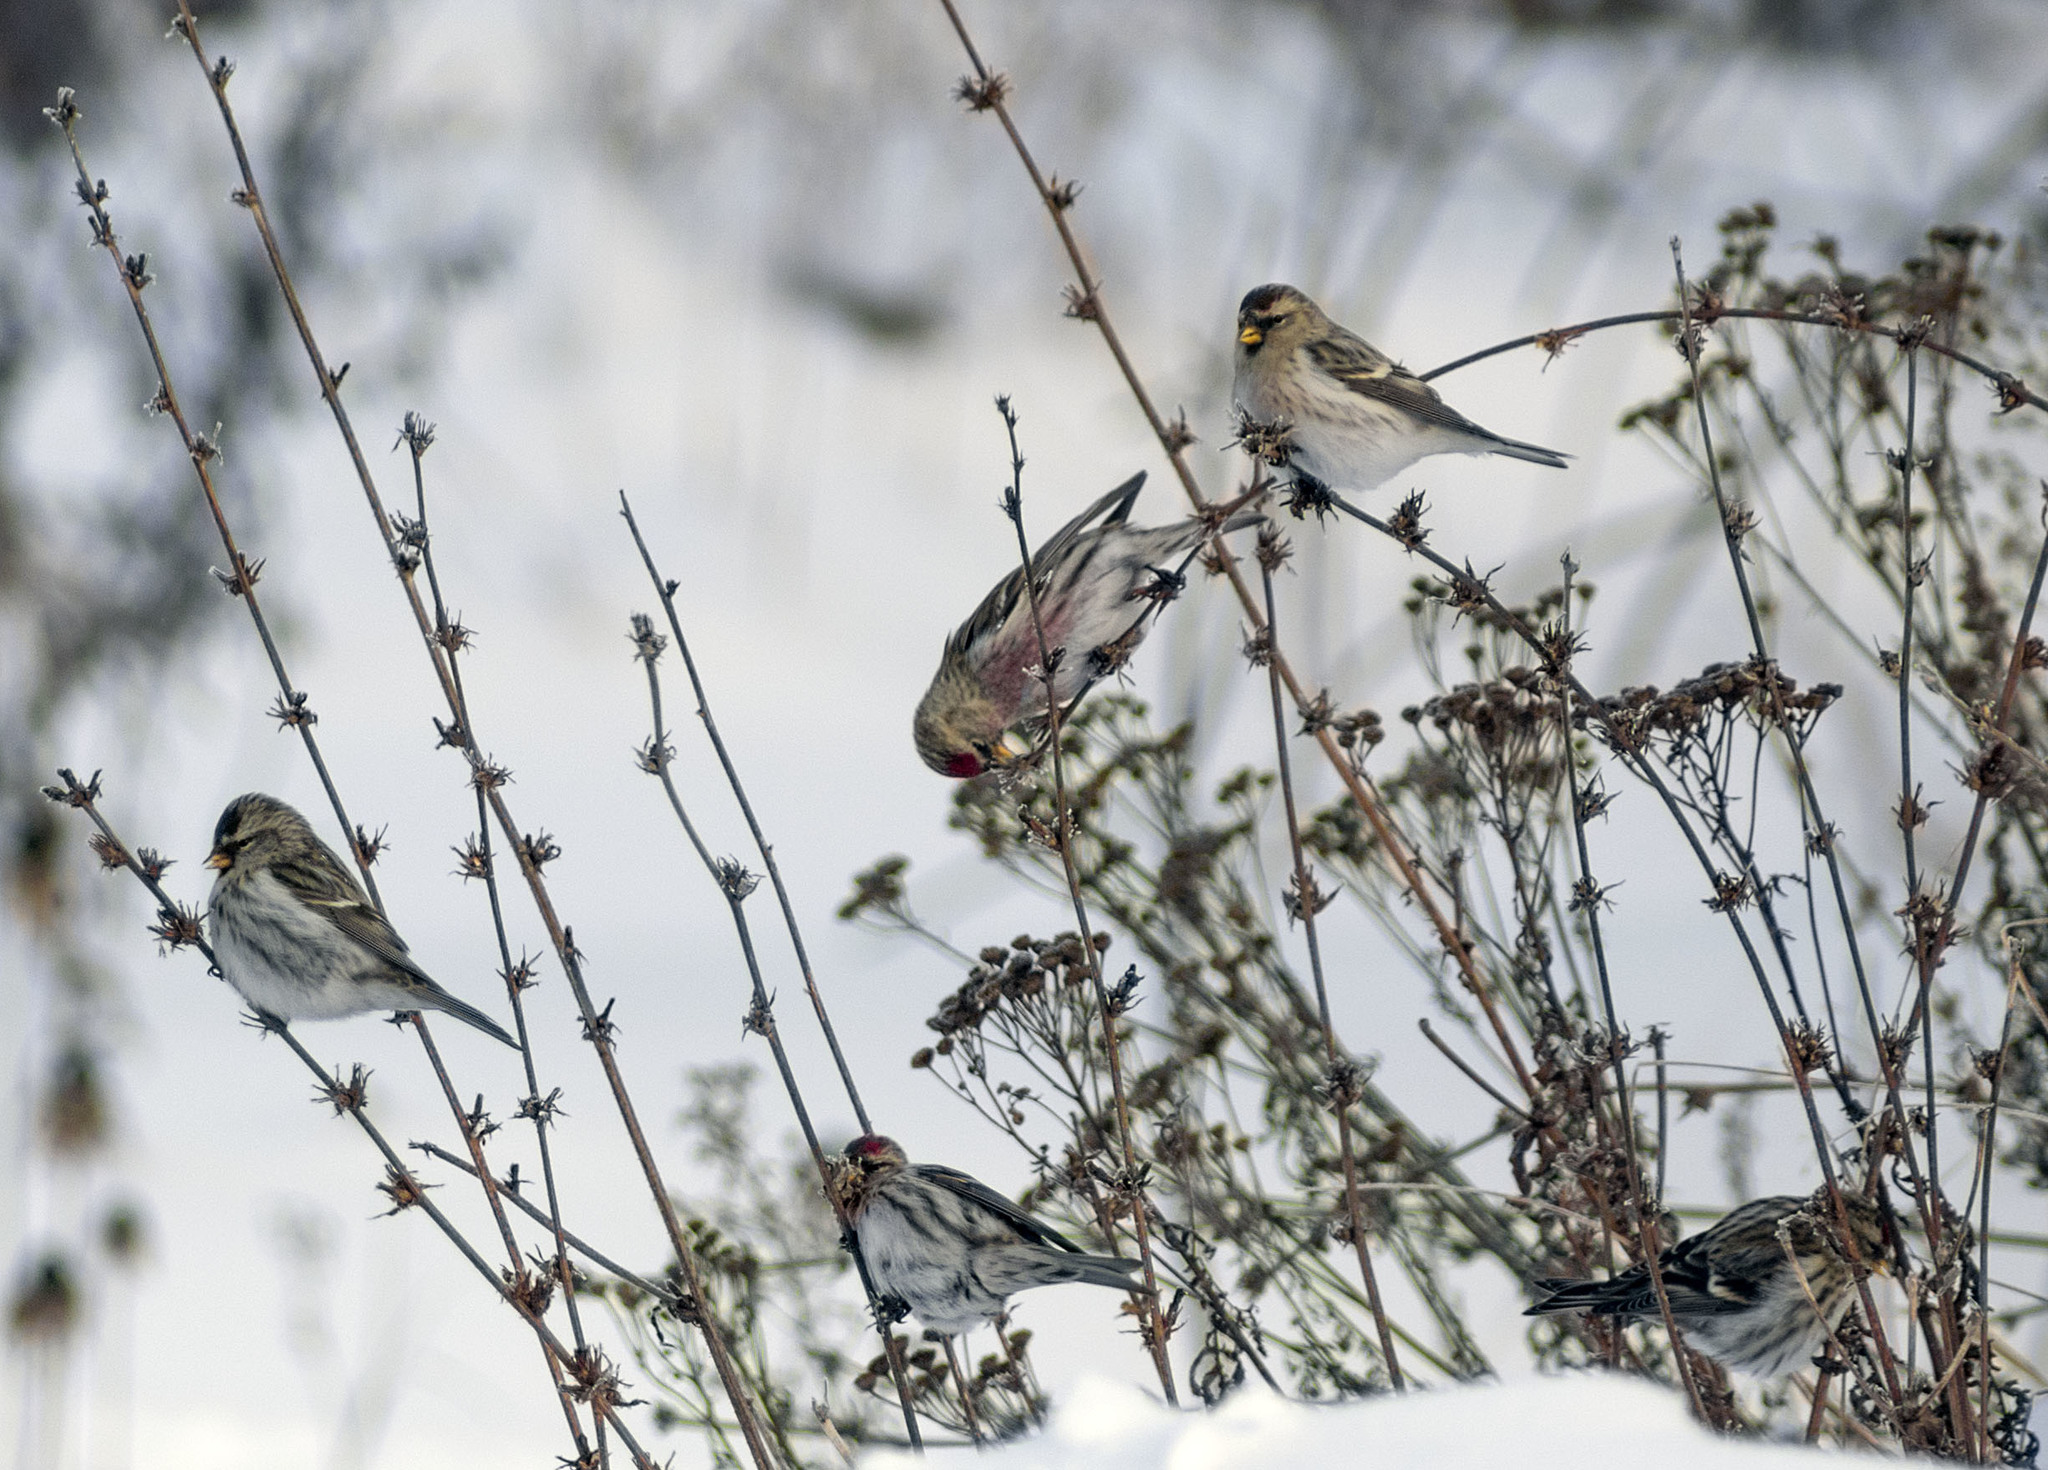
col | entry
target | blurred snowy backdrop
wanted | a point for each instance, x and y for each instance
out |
(750, 262)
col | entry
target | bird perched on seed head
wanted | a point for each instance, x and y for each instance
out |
(295, 934)
(1355, 418)
(1100, 582)
(1734, 1292)
(952, 1249)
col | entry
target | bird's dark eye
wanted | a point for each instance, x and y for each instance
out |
(1267, 323)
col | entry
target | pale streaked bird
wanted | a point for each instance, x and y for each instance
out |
(1101, 581)
(294, 932)
(1355, 418)
(1734, 1291)
(952, 1249)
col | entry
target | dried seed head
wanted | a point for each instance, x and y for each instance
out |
(402, 1188)
(1268, 441)
(345, 1097)
(176, 927)
(982, 92)
(1406, 522)
(1807, 1047)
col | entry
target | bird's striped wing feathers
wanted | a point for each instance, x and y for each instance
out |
(321, 883)
(1007, 596)
(973, 1190)
(1112, 509)
(1364, 369)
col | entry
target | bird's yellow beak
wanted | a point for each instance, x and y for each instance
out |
(219, 859)
(1006, 752)
(1251, 336)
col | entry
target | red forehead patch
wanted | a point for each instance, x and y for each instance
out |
(963, 765)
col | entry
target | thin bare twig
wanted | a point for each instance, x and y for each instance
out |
(348, 1098)
(735, 883)
(1651, 1248)
(598, 1027)
(1342, 1079)
(987, 91)
(1132, 1181)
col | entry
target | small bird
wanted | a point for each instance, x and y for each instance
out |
(1100, 582)
(1355, 418)
(295, 934)
(952, 1249)
(1734, 1293)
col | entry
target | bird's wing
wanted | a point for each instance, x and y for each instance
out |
(1112, 510)
(1005, 612)
(1364, 369)
(975, 1192)
(321, 883)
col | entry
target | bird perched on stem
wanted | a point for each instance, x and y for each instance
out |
(295, 934)
(949, 1247)
(1352, 417)
(1100, 581)
(1735, 1291)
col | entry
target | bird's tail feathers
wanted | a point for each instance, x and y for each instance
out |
(1111, 1271)
(462, 1010)
(1534, 453)
(1560, 1294)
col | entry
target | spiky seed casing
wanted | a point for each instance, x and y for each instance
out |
(294, 932)
(1095, 575)
(952, 1249)
(1734, 1290)
(1356, 417)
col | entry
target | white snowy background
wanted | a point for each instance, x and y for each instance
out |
(686, 215)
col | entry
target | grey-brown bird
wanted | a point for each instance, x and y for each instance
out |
(952, 1249)
(1355, 418)
(1734, 1290)
(1101, 581)
(294, 932)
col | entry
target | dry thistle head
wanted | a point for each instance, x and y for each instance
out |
(1405, 523)
(345, 1097)
(402, 1188)
(1269, 441)
(1807, 1048)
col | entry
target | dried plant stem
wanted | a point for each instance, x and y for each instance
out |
(1132, 1181)
(1341, 1078)
(986, 92)
(736, 883)
(1588, 901)
(2006, 384)
(1820, 1405)
(1909, 797)
(508, 1189)
(1987, 1165)
(242, 574)
(1637, 759)
(517, 1279)
(293, 708)
(487, 776)
(1732, 532)
(1466, 1067)
(666, 590)
(966, 1391)
(84, 797)
(536, 1107)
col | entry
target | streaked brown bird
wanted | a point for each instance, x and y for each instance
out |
(1734, 1289)
(1355, 418)
(1101, 581)
(294, 932)
(952, 1249)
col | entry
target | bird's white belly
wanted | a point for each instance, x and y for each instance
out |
(1345, 439)
(288, 959)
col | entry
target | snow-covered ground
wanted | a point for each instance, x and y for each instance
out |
(1531, 1424)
